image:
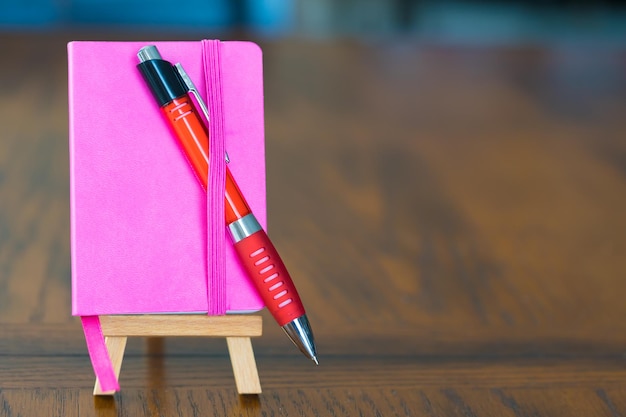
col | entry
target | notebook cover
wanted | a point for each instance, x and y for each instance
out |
(138, 214)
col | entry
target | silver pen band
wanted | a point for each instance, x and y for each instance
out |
(244, 227)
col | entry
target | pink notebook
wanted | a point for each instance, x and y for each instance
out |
(144, 236)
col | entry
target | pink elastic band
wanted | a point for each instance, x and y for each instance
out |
(98, 353)
(216, 234)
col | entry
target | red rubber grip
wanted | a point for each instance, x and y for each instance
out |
(264, 266)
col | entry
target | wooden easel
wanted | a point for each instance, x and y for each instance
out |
(236, 329)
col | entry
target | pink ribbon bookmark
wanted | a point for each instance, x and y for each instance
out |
(100, 360)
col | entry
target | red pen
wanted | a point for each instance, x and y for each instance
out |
(171, 87)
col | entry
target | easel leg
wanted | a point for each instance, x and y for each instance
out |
(244, 365)
(116, 347)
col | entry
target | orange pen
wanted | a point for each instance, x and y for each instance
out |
(171, 87)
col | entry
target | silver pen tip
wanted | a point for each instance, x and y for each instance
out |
(299, 331)
(315, 360)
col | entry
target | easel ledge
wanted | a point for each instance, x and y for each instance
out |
(237, 329)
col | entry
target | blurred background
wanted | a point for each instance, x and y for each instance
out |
(440, 21)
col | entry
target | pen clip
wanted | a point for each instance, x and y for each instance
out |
(193, 90)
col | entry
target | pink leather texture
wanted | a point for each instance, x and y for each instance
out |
(139, 227)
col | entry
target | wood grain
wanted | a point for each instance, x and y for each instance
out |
(453, 218)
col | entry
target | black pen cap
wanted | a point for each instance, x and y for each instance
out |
(161, 77)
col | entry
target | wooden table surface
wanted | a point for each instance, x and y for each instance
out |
(454, 217)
